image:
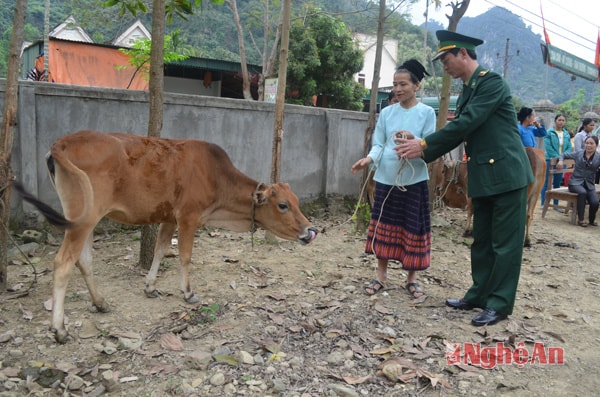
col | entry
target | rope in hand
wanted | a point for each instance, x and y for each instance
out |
(403, 162)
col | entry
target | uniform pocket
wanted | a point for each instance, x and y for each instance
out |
(492, 168)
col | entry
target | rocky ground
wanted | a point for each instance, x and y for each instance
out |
(290, 320)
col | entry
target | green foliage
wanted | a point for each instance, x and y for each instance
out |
(205, 314)
(362, 210)
(139, 53)
(246, 378)
(174, 386)
(323, 59)
(572, 110)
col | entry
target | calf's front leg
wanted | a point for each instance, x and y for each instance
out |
(163, 240)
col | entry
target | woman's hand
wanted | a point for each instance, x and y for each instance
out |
(408, 148)
(402, 134)
(360, 164)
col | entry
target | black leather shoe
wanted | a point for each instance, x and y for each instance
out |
(489, 317)
(460, 304)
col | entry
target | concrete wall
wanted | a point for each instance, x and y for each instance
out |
(319, 145)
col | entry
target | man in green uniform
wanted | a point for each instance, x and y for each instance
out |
(499, 172)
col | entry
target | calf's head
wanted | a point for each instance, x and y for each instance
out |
(452, 184)
(277, 209)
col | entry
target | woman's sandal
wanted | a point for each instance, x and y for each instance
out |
(414, 290)
(593, 223)
(582, 223)
(375, 287)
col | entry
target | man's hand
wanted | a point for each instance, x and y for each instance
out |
(408, 148)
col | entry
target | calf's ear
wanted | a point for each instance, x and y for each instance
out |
(261, 194)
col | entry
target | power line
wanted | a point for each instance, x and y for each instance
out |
(551, 22)
(554, 32)
(572, 13)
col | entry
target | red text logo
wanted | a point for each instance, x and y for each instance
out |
(489, 356)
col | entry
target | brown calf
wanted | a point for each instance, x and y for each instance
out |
(184, 184)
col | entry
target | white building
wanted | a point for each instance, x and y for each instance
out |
(389, 61)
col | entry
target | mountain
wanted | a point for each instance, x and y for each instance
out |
(529, 78)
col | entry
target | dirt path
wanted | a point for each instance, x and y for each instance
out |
(291, 320)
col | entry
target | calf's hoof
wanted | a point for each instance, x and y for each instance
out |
(61, 335)
(151, 293)
(101, 307)
(191, 299)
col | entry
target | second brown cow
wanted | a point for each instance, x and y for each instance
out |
(452, 181)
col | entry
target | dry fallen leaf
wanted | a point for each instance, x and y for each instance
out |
(170, 341)
(277, 319)
(334, 333)
(379, 307)
(226, 359)
(27, 315)
(356, 381)
(387, 350)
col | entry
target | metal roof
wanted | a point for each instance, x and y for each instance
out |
(214, 64)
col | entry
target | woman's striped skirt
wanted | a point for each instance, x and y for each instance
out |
(400, 226)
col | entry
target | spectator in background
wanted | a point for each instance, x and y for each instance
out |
(556, 142)
(392, 98)
(37, 73)
(587, 126)
(587, 162)
(529, 127)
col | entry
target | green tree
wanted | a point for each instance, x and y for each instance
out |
(323, 59)
(140, 53)
(572, 110)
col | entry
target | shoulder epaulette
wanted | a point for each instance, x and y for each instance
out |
(483, 73)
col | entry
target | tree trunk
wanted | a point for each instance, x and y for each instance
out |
(458, 10)
(280, 99)
(47, 40)
(9, 121)
(362, 220)
(245, 76)
(155, 117)
(261, 77)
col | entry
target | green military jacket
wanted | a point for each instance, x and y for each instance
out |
(487, 124)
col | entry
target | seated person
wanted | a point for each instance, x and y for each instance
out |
(582, 181)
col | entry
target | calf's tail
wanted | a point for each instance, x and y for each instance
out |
(53, 217)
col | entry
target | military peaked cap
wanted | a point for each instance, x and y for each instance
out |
(449, 40)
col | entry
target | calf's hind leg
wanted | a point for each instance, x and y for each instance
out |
(85, 267)
(68, 254)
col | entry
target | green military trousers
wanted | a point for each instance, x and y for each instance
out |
(497, 250)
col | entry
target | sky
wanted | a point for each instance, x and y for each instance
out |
(570, 24)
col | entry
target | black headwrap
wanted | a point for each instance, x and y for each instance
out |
(415, 67)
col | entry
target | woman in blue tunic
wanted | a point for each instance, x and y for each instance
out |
(400, 225)
(556, 142)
